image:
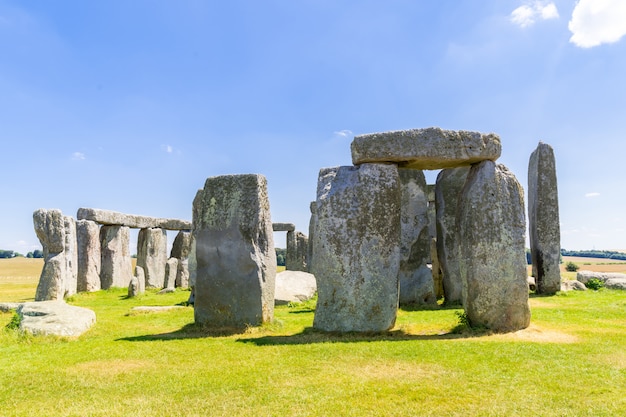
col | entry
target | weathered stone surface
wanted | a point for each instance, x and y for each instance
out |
(51, 230)
(71, 256)
(6, 307)
(297, 252)
(615, 283)
(115, 261)
(570, 284)
(133, 287)
(55, 318)
(283, 227)
(532, 286)
(193, 264)
(152, 255)
(294, 286)
(141, 279)
(415, 278)
(436, 269)
(108, 217)
(88, 248)
(584, 276)
(492, 227)
(356, 247)
(448, 188)
(543, 220)
(432, 212)
(182, 275)
(181, 245)
(235, 252)
(430, 148)
(171, 269)
(312, 226)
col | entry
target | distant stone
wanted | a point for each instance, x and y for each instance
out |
(181, 247)
(356, 248)
(570, 284)
(235, 252)
(141, 279)
(55, 318)
(543, 220)
(133, 287)
(615, 283)
(114, 218)
(171, 269)
(6, 307)
(283, 227)
(115, 261)
(88, 248)
(167, 291)
(584, 276)
(492, 227)
(297, 251)
(415, 278)
(532, 285)
(152, 255)
(294, 286)
(430, 148)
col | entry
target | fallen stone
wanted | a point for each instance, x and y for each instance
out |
(115, 260)
(294, 286)
(356, 248)
(167, 291)
(108, 217)
(430, 148)
(7, 307)
(492, 228)
(615, 283)
(584, 276)
(89, 256)
(570, 284)
(152, 256)
(55, 318)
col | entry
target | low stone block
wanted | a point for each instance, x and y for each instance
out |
(294, 286)
(55, 318)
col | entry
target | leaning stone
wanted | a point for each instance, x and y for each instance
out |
(294, 286)
(55, 318)
(543, 220)
(356, 246)
(50, 229)
(615, 283)
(584, 276)
(115, 261)
(7, 307)
(152, 256)
(171, 269)
(416, 279)
(430, 148)
(88, 248)
(114, 218)
(570, 284)
(448, 188)
(492, 228)
(235, 252)
(283, 227)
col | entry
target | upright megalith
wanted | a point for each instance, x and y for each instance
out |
(152, 255)
(115, 261)
(543, 219)
(492, 225)
(296, 253)
(181, 249)
(71, 255)
(356, 246)
(415, 278)
(448, 188)
(236, 260)
(171, 269)
(88, 248)
(52, 230)
(312, 227)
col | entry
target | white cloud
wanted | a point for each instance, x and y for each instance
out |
(167, 148)
(527, 14)
(78, 156)
(343, 133)
(592, 194)
(595, 22)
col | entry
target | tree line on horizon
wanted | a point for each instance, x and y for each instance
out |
(6, 254)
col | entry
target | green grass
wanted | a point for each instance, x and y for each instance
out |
(570, 362)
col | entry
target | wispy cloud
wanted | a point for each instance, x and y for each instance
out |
(344, 133)
(527, 14)
(592, 195)
(167, 148)
(596, 22)
(78, 156)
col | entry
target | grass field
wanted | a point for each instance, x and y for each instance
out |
(571, 361)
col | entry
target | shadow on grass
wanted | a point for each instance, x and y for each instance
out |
(189, 331)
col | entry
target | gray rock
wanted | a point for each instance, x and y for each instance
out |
(181, 245)
(56, 273)
(133, 287)
(152, 255)
(192, 264)
(415, 278)
(543, 220)
(615, 283)
(114, 218)
(115, 261)
(235, 252)
(356, 247)
(88, 248)
(448, 188)
(167, 291)
(584, 276)
(532, 286)
(182, 274)
(435, 267)
(294, 286)
(297, 248)
(141, 279)
(71, 256)
(171, 269)
(432, 211)
(6, 307)
(430, 148)
(55, 318)
(568, 285)
(492, 228)
(312, 226)
(283, 227)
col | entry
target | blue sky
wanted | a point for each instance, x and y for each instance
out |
(131, 105)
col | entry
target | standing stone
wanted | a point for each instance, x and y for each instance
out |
(235, 252)
(133, 287)
(543, 218)
(193, 263)
(171, 269)
(115, 261)
(180, 250)
(432, 211)
(448, 188)
(436, 268)
(88, 248)
(416, 279)
(297, 248)
(312, 226)
(152, 255)
(71, 256)
(50, 229)
(356, 246)
(141, 279)
(492, 227)
(290, 251)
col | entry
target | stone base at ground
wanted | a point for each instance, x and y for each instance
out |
(294, 286)
(55, 318)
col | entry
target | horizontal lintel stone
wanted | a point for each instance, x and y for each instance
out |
(108, 217)
(283, 227)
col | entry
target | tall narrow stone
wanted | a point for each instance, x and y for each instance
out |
(181, 249)
(492, 227)
(416, 279)
(297, 251)
(543, 218)
(235, 252)
(448, 188)
(171, 269)
(50, 229)
(115, 261)
(356, 246)
(88, 248)
(312, 226)
(71, 255)
(152, 255)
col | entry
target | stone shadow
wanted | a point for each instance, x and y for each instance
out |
(189, 331)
